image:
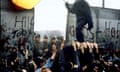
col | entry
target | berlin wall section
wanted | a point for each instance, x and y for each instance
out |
(15, 24)
(106, 29)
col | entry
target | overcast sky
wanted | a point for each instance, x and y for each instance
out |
(51, 14)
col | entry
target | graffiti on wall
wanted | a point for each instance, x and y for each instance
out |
(18, 29)
(110, 34)
(24, 21)
(106, 27)
(111, 31)
(71, 32)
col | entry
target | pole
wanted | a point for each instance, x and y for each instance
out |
(103, 3)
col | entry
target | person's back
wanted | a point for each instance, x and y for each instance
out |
(81, 7)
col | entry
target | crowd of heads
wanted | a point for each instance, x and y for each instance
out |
(66, 57)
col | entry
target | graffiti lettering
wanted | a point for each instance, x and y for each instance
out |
(110, 30)
(26, 22)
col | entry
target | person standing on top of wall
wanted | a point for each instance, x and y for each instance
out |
(83, 15)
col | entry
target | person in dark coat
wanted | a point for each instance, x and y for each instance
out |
(83, 15)
(71, 60)
(37, 47)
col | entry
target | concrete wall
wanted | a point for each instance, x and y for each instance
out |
(106, 27)
(15, 23)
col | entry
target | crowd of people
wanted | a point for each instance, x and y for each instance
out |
(56, 55)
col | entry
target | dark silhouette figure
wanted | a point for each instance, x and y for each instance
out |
(83, 15)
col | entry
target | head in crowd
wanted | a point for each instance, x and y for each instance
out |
(45, 39)
(53, 40)
(60, 38)
(44, 69)
(54, 47)
(40, 61)
(37, 38)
